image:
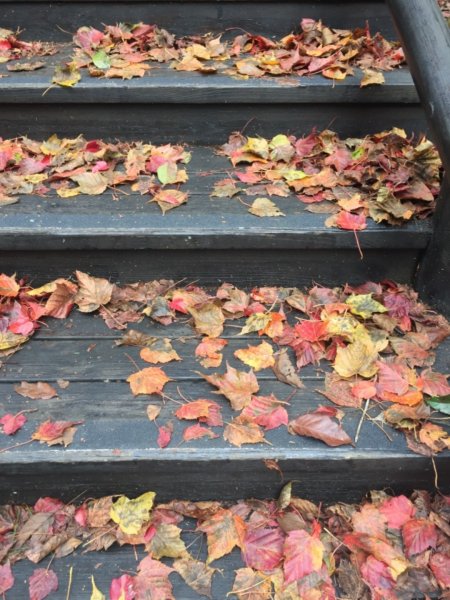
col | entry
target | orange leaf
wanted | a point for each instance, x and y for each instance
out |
(148, 381)
(409, 399)
(194, 432)
(93, 292)
(36, 391)
(9, 287)
(224, 530)
(237, 386)
(258, 357)
(56, 432)
(242, 431)
(210, 350)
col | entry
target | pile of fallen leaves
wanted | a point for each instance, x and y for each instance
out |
(14, 49)
(375, 337)
(385, 548)
(76, 166)
(385, 176)
(125, 51)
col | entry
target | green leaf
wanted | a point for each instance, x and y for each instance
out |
(101, 60)
(440, 403)
(167, 173)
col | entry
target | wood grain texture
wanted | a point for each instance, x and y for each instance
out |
(252, 267)
(106, 457)
(166, 85)
(60, 18)
(130, 222)
(206, 124)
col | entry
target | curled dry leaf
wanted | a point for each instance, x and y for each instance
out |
(320, 426)
(285, 370)
(93, 292)
(36, 391)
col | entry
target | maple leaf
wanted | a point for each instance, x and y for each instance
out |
(380, 549)
(196, 409)
(364, 305)
(418, 536)
(12, 423)
(42, 583)
(434, 437)
(56, 432)
(358, 358)
(224, 531)
(237, 386)
(251, 585)
(152, 580)
(122, 588)
(208, 319)
(195, 432)
(285, 370)
(243, 431)
(320, 426)
(9, 288)
(93, 292)
(256, 322)
(165, 540)
(262, 548)
(210, 350)
(165, 434)
(263, 207)
(131, 515)
(312, 331)
(6, 578)
(196, 574)
(159, 351)
(36, 391)
(169, 199)
(303, 554)
(148, 381)
(258, 357)
(440, 565)
(266, 411)
(397, 510)
(62, 299)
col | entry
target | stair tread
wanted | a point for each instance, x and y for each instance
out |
(82, 351)
(132, 221)
(166, 85)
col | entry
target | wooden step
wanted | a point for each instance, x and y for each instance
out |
(115, 450)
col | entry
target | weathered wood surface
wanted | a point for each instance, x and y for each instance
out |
(115, 450)
(163, 123)
(62, 18)
(126, 220)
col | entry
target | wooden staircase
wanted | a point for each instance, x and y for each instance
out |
(208, 241)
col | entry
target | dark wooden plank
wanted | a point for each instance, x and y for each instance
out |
(161, 123)
(267, 18)
(132, 222)
(252, 267)
(165, 85)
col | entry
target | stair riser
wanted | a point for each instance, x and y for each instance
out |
(346, 480)
(208, 125)
(60, 19)
(241, 267)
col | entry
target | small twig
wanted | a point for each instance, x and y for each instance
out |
(358, 430)
(16, 445)
(69, 586)
(436, 476)
(361, 255)
(131, 359)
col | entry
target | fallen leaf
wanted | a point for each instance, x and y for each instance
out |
(165, 434)
(243, 431)
(371, 77)
(263, 207)
(210, 350)
(303, 554)
(132, 515)
(266, 411)
(252, 585)
(224, 531)
(36, 391)
(159, 351)
(122, 588)
(418, 535)
(9, 288)
(208, 319)
(197, 574)
(148, 381)
(42, 583)
(152, 580)
(285, 370)
(195, 432)
(6, 578)
(262, 548)
(56, 432)
(258, 357)
(153, 411)
(93, 292)
(165, 541)
(320, 426)
(12, 423)
(237, 386)
(96, 594)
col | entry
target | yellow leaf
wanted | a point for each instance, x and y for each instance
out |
(372, 77)
(358, 358)
(364, 305)
(263, 207)
(96, 593)
(8, 340)
(148, 381)
(208, 319)
(68, 192)
(255, 322)
(258, 146)
(131, 515)
(258, 357)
